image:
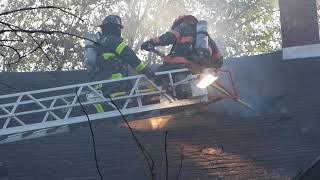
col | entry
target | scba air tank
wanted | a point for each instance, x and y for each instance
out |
(90, 53)
(202, 40)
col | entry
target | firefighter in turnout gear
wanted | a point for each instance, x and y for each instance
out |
(184, 38)
(113, 58)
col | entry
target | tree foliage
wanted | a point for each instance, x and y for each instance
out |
(240, 27)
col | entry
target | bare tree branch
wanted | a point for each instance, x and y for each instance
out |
(12, 48)
(40, 7)
(10, 40)
(40, 47)
(11, 28)
(49, 32)
(20, 57)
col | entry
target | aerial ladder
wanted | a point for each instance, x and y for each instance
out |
(38, 113)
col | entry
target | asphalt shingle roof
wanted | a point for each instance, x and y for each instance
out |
(251, 148)
(265, 146)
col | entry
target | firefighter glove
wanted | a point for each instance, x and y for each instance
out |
(148, 45)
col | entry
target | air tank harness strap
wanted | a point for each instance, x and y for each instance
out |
(140, 67)
(121, 47)
(108, 56)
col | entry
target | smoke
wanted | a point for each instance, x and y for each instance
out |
(275, 3)
(260, 83)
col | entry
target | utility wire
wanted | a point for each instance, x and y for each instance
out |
(145, 153)
(92, 136)
(166, 154)
(181, 163)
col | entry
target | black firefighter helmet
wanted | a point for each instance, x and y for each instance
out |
(112, 19)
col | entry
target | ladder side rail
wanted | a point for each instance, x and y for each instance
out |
(93, 117)
(53, 97)
(69, 86)
(56, 89)
(84, 103)
(41, 99)
(68, 106)
(50, 108)
(185, 80)
(171, 71)
(74, 86)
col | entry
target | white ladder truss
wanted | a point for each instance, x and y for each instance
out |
(38, 113)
